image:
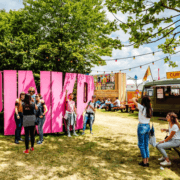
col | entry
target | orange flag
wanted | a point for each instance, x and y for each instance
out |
(148, 73)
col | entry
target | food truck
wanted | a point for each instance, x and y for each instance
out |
(164, 95)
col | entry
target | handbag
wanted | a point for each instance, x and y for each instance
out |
(29, 120)
(152, 138)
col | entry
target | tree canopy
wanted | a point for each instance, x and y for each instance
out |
(145, 25)
(66, 36)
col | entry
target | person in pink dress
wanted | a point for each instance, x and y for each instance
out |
(70, 114)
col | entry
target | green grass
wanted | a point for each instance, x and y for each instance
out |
(112, 155)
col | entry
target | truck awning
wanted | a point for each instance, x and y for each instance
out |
(165, 85)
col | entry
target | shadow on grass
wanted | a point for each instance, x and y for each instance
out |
(85, 157)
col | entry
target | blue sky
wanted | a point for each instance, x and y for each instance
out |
(125, 52)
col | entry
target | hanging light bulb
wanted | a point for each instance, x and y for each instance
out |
(58, 59)
(140, 66)
(153, 63)
(174, 47)
(133, 57)
(153, 53)
(129, 69)
(111, 71)
(116, 60)
(71, 61)
(97, 71)
(46, 57)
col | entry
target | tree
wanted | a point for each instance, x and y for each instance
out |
(145, 26)
(66, 36)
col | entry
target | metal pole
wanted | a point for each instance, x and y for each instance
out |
(151, 73)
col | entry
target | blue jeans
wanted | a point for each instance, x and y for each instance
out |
(143, 139)
(18, 126)
(40, 127)
(90, 121)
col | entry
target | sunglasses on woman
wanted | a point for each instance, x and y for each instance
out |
(30, 91)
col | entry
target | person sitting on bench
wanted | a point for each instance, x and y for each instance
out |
(102, 104)
(117, 103)
(108, 104)
(172, 141)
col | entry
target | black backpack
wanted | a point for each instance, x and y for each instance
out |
(94, 104)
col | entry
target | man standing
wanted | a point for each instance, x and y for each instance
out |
(90, 112)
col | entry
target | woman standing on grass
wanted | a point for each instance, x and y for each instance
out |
(42, 110)
(19, 117)
(71, 113)
(29, 108)
(145, 113)
(173, 140)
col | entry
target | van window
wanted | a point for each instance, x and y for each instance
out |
(148, 91)
(160, 92)
(172, 90)
(175, 91)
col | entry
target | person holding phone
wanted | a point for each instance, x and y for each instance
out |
(29, 108)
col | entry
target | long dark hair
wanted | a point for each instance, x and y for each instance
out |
(146, 103)
(173, 117)
(27, 100)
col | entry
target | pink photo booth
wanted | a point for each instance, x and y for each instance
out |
(53, 93)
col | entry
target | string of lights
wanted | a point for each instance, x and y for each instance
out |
(153, 53)
(139, 65)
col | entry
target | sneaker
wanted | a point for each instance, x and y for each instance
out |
(142, 164)
(69, 135)
(32, 148)
(21, 139)
(165, 163)
(82, 133)
(161, 159)
(16, 142)
(39, 142)
(75, 134)
(26, 151)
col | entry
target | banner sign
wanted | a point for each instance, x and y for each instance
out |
(104, 81)
(173, 75)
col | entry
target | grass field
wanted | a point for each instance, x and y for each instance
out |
(110, 153)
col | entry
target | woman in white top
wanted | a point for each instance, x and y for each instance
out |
(145, 113)
(173, 140)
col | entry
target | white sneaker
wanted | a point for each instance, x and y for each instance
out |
(69, 135)
(165, 163)
(161, 159)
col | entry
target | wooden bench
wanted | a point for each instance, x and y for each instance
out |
(119, 108)
(177, 150)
